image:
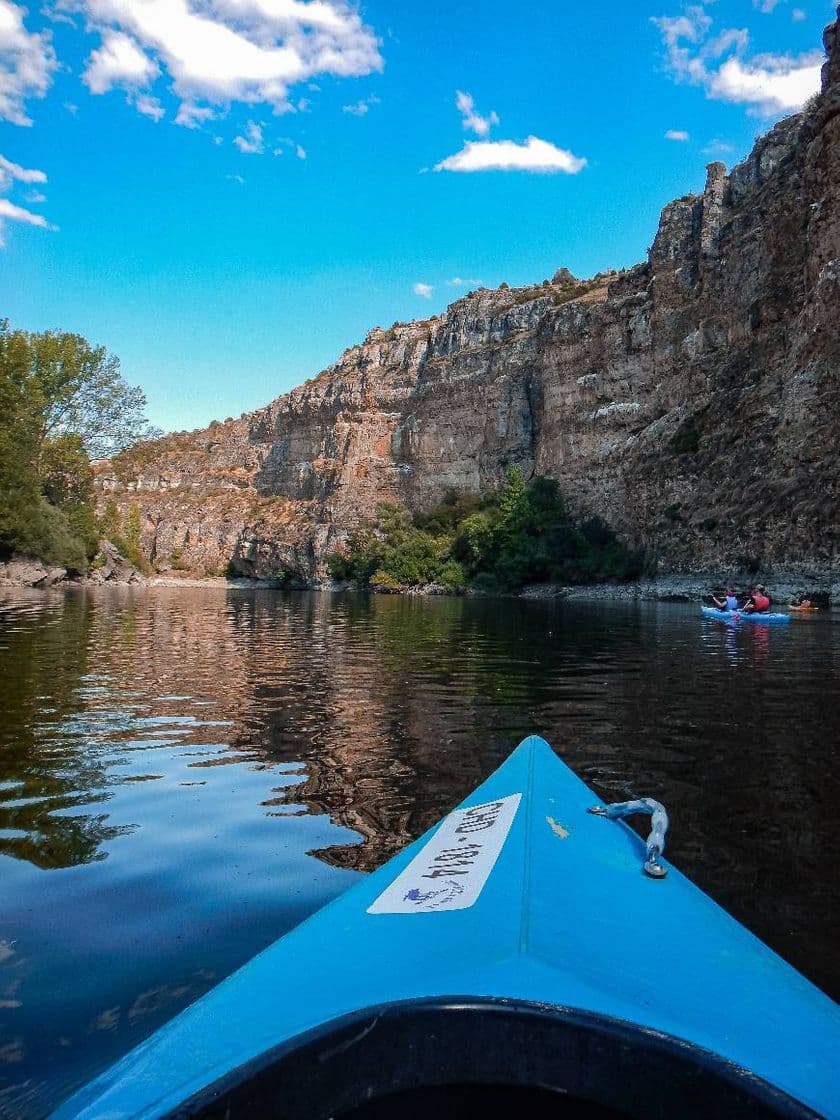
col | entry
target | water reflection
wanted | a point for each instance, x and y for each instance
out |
(184, 774)
(48, 770)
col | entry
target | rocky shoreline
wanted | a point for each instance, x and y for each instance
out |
(25, 571)
(107, 566)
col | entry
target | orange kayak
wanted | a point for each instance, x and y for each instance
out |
(793, 608)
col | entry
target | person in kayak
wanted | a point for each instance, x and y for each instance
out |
(729, 602)
(758, 601)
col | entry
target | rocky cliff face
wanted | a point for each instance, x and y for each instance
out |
(693, 401)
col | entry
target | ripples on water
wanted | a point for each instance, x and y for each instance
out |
(187, 773)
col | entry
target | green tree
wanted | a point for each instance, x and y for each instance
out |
(19, 486)
(473, 543)
(78, 389)
(61, 401)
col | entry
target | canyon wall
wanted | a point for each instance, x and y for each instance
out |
(692, 401)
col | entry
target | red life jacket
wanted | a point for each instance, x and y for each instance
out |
(761, 601)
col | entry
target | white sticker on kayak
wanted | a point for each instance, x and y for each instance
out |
(449, 873)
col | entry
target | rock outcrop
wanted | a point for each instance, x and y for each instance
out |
(29, 571)
(110, 566)
(692, 401)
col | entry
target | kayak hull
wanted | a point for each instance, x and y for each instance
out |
(521, 909)
(768, 618)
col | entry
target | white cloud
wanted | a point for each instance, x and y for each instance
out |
(10, 172)
(19, 214)
(772, 84)
(505, 155)
(10, 212)
(691, 27)
(236, 179)
(191, 115)
(216, 52)
(58, 17)
(718, 147)
(677, 134)
(287, 144)
(149, 107)
(798, 14)
(472, 120)
(734, 38)
(252, 142)
(769, 84)
(360, 108)
(27, 62)
(765, 6)
(119, 61)
(458, 282)
(424, 290)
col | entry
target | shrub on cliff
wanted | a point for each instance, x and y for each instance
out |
(124, 533)
(519, 534)
(391, 551)
(364, 555)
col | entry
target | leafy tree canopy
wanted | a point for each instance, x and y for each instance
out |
(75, 389)
(62, 401)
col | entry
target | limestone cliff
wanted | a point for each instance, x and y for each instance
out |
(692, 401)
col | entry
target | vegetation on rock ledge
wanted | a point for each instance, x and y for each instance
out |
(499, 541)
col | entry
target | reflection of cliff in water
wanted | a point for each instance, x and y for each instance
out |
(379, 712)
(395, 708)
(345, 703)
(416, 703)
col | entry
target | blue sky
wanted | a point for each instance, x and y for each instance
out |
(228, 193)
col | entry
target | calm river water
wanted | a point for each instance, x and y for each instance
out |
(186, 773)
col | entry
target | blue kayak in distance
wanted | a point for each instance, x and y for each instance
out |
(768, 617)
(514, 957)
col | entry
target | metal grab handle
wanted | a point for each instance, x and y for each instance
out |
(658, 827)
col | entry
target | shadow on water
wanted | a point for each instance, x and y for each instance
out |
(186, 773)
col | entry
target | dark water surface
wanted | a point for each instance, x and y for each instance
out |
(187, 773)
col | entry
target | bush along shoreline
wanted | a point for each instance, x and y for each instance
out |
(494, 543)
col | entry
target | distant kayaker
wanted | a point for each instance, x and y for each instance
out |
(758, 600)
(729, 602)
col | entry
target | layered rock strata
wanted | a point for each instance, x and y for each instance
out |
(691, 401)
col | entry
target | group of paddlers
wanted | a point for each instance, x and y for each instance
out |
(757, 601)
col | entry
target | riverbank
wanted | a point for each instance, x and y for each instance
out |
(783, 587)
